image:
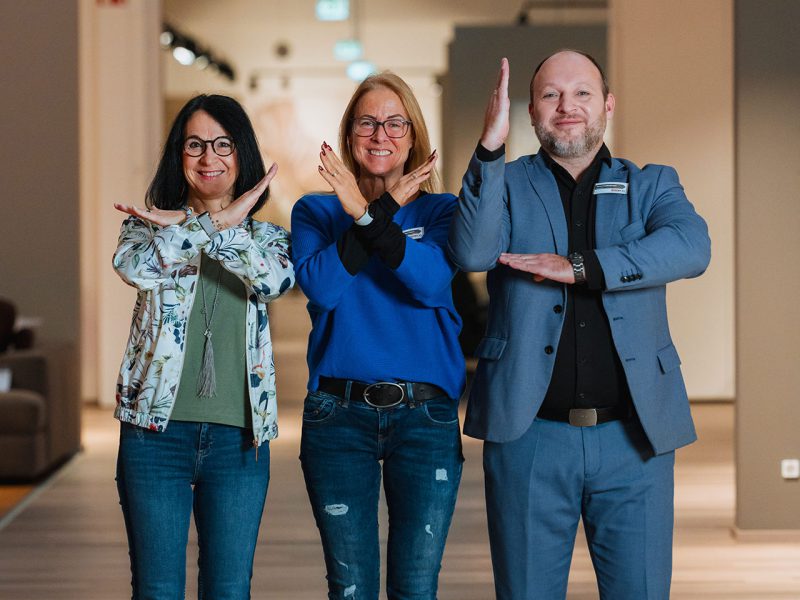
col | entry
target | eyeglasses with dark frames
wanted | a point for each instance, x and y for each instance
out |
(394, 128)
(222, 146)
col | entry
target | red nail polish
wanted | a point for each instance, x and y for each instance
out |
(320, 169)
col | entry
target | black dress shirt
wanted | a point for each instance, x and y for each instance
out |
(587, 371)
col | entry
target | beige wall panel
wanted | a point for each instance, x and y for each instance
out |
(671, 69)
(121, 135)
(768, 222)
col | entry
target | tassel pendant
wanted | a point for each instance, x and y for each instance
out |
(207, 380)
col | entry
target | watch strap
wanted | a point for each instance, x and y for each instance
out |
(206, 223)
(578, 267)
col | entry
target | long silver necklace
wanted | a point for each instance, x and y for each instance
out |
(207, 378)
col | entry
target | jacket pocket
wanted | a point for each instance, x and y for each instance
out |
(490, 348)
(632, 231)
(668, 358)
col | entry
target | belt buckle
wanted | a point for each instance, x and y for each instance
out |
(583, 417)
(380, 385)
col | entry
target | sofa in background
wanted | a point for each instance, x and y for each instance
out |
(40, 417)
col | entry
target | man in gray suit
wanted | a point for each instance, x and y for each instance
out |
(578, 392)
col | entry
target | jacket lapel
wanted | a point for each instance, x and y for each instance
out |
(545, 187)
(609, 206)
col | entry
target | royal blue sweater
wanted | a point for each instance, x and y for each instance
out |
(380, 324)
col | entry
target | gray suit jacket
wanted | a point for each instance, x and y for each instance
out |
(645, 239)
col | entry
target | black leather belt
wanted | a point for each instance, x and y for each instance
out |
(383, 394)
(584, 417)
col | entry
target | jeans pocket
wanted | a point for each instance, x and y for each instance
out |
(442, 411)
(319, 407)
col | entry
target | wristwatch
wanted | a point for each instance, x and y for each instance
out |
(578, 269)
(366, 218)
(206, 223)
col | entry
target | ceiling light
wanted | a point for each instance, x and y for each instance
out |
(347, 50)
(183, 55)
(359, 70)
(333, 10)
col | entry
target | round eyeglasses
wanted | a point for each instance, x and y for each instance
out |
(222, 146)
(394, 128)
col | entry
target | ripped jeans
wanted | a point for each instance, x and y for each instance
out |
(342, 447)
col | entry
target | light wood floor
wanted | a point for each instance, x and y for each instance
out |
(69, 542)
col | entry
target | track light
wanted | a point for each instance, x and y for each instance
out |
(187, 51)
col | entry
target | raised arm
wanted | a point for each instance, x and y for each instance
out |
(481, 226)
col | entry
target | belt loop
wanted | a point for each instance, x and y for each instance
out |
(410, 394)
(347, 387)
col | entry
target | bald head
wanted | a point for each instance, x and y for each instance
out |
(570, 105)
(569, 58)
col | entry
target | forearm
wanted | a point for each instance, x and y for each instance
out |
(480, 228)
(146, 254)
(260, 256)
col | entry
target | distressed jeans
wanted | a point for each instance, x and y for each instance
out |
(342, 448)
(205, 468)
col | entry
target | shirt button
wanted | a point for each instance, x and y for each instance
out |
(548, 349)
(558, 309)
(582, 361)
(579, 223)
(581, 395)
(582, 324)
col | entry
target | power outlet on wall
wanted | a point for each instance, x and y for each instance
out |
(790, 468)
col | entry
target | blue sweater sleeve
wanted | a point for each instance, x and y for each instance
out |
(318, 268)
(426, 271)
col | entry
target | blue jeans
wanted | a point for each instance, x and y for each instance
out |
(162, 478)
(341, 450)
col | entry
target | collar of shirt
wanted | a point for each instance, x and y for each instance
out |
(591, 174)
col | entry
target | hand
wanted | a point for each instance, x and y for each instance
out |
(495, 123)
(542, 266)
(406, 188)
(236, 211)
(154, 215)
(343, 182)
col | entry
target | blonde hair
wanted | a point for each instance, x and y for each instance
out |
(420, 149)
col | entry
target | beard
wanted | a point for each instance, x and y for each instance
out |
(591, 138)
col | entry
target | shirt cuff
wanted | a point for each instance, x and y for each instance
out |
(595, 278)
(352, 251)
(383, 235)
(388, 204)
(485, 155)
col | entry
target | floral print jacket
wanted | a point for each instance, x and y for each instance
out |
(162, 263)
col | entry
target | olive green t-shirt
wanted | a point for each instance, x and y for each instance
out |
(231, 405)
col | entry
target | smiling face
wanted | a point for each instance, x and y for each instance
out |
(210, 177)
(379, 155)
(567, 107)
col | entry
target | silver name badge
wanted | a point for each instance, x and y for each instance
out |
(415, 233)
(611, 188)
